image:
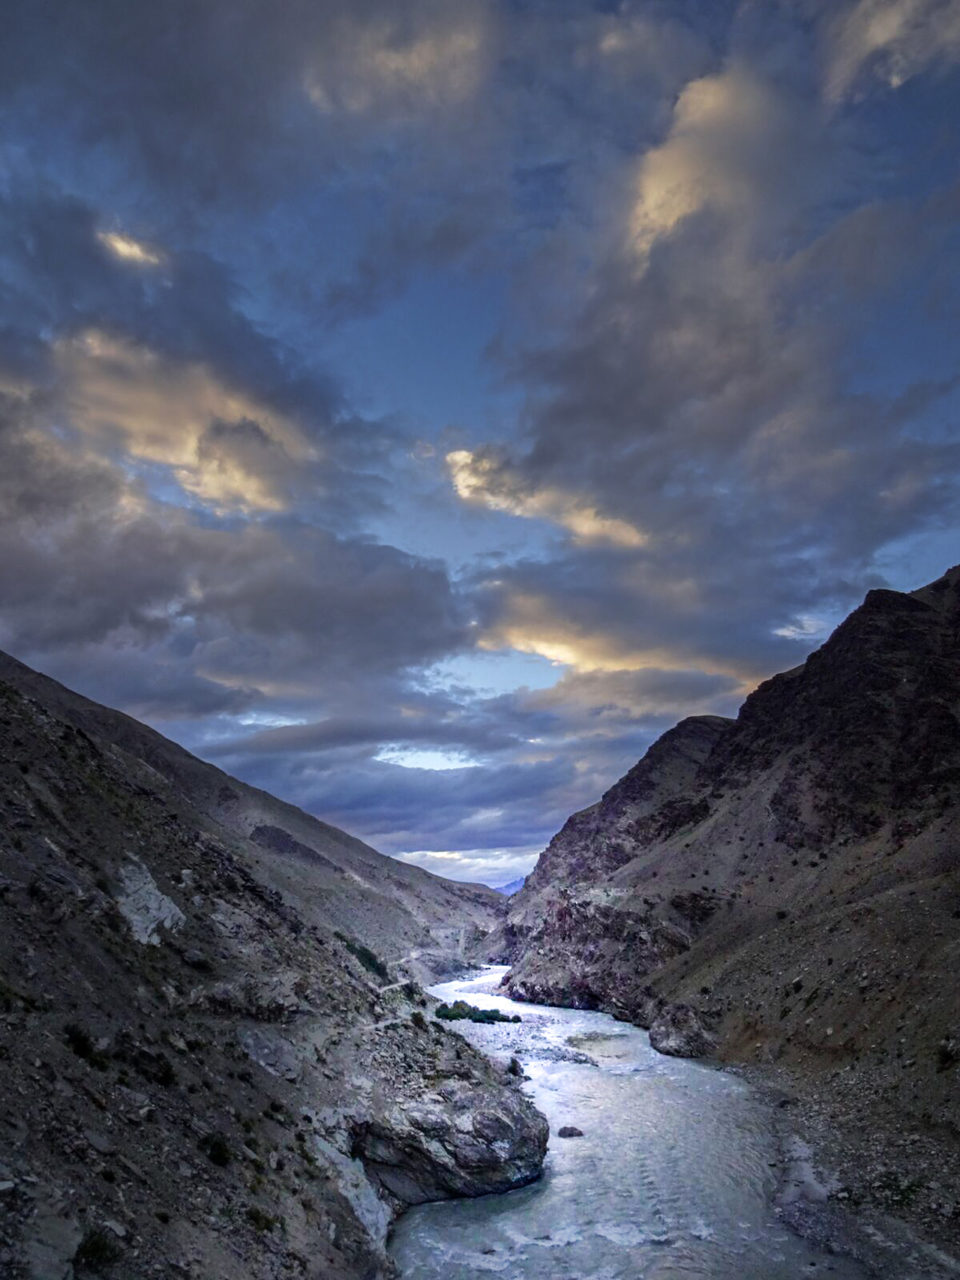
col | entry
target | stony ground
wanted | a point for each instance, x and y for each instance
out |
(892, 1190)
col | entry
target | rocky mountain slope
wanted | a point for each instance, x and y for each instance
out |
(417, 920)
(785, 888)
(211, 1062)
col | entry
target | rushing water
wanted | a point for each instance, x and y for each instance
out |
(673, 1178)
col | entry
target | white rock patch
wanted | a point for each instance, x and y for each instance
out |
(145, 909)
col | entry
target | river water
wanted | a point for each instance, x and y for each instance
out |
(675, 1175)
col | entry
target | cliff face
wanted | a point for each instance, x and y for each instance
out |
(212, 1064)
(786, 885)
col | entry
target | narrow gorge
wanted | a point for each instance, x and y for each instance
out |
(223, 1054)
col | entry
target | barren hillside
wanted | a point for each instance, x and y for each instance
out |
(212, 1065)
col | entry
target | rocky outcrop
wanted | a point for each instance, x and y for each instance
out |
(204, 1069)
(460, 1140)
(790, 879)
(678, 1031)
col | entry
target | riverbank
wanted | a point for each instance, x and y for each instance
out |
(891, 1192)
(675, 1171)
(858, 1176)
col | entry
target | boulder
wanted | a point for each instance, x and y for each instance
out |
(678, 1031)
(459, 1141)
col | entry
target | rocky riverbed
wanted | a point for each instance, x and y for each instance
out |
(680, 1169)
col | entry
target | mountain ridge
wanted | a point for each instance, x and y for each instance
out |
(407, 895)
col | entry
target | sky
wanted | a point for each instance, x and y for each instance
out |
(415, 407)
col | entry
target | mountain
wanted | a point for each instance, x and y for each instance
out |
(511, 887)
(784, 888)
(416, 920)
(213, 1060)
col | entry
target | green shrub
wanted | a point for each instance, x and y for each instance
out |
(216, 1148)
(261, 1220)
(81, 1042)
(461, 1009)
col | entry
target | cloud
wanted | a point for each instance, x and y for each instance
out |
(409, 242)
(495, 867)
(655, 292)
(742, 146)
(223, 447)
(128, 249)
(485, 479)
(893, 40)
(698, 397)
(432, 57)
(88, 556)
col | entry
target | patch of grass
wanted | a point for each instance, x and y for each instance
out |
(258, 1218)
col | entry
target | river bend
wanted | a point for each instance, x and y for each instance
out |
(674, 1177)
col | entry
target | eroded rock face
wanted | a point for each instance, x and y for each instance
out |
(146, 910)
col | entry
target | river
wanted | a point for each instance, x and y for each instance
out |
(675, 1175)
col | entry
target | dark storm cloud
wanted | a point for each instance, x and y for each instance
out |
(723, 234)
(86, 557)
(397, 808)
(564, 745)
(700, 399)
(61, 279)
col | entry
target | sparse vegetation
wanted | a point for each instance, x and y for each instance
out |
(97, 1251)
(81, 1042)
(216, 1148)
(260, 1219)
(460, 1009)
(369, 959)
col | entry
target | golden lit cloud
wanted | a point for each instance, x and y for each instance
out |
(128, 249)
(721, 128)
(223, 447)
(485, 481)
(532, 623)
